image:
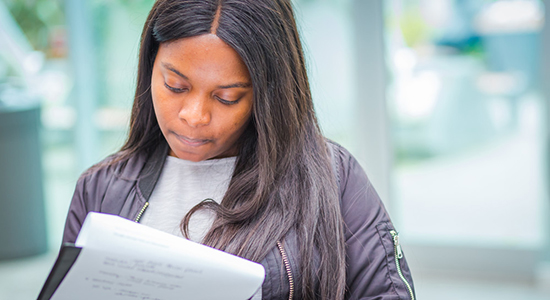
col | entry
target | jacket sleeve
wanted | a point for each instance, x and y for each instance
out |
(372, 272)
(77, 211)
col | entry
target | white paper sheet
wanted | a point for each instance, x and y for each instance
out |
(121, 259)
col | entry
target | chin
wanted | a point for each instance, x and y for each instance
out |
(188, 156)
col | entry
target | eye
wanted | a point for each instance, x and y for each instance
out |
(227, 102)
(175, 90)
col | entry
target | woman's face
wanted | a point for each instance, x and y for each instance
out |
(202, 96)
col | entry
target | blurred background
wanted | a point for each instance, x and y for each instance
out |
(444, 103)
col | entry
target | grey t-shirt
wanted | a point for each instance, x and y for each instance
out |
(181, 186)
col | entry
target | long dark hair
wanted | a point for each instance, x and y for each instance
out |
(283, 180)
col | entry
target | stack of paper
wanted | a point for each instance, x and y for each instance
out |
(121, 259)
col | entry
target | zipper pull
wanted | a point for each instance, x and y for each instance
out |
(398, 250)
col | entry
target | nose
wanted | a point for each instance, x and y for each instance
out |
(195, 111)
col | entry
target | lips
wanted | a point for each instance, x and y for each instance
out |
(190, 141)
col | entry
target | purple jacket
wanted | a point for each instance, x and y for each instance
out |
(376, 266)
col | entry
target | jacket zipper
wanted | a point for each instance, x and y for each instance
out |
(398, 256)
(141, 212)
(288, 270)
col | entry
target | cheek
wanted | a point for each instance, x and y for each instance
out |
(161, 103)
(241, 117)
(162, 112)
(159, 97)
(156, 106)
(242, 120)
(232, 124)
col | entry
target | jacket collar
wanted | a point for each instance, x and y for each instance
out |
(150, 173)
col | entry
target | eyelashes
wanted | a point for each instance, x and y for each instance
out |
(182, 90)
(227, 102)
(173, 89)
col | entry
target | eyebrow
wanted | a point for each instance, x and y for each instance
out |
(236, 85)
(229, 86)
(171, 68)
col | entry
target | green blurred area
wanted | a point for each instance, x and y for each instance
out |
(37, 19)
(42, 20)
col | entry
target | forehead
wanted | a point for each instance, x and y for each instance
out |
(203, 56)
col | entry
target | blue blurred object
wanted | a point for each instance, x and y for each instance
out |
(510, 33)
(514, 52)
(22, 216)
(459, 32)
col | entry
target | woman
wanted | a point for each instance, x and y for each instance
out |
(224, 146)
